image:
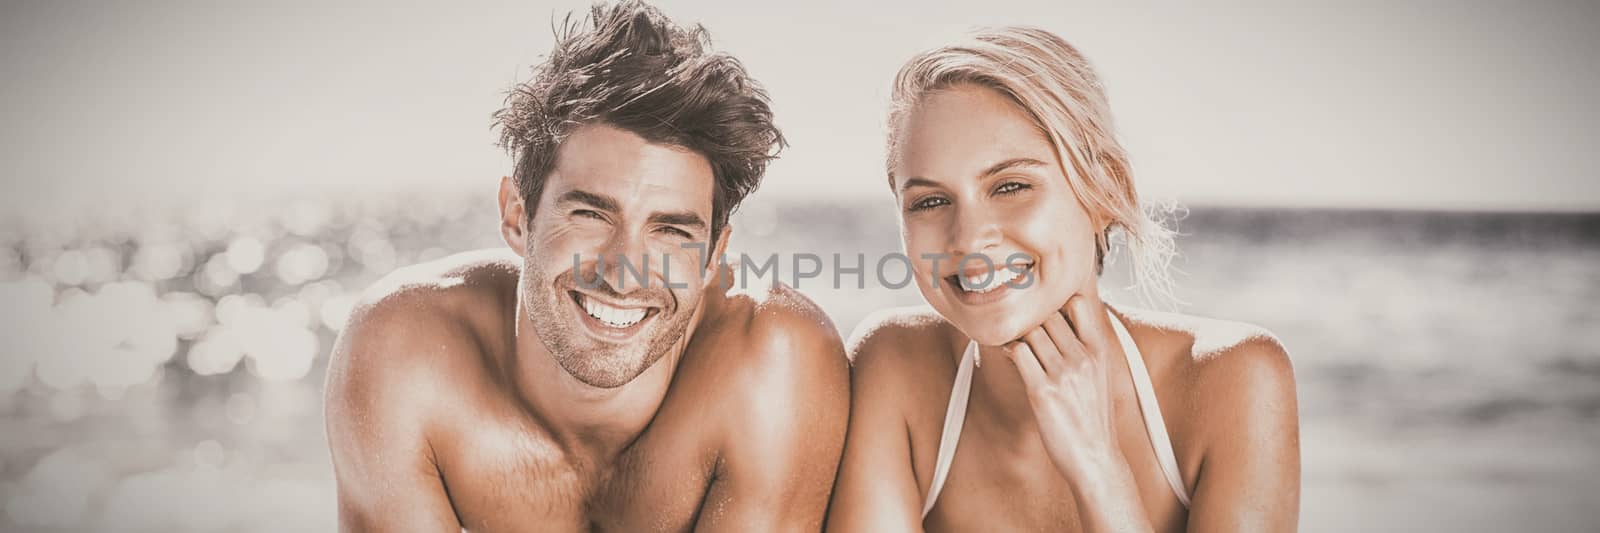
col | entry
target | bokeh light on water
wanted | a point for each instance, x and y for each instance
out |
(161, 369)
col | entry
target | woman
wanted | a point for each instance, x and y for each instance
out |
(1085, 417)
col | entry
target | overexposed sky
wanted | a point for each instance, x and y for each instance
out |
(1451, 105)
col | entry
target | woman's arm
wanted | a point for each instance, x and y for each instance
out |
(876, 489)
(1250, 429)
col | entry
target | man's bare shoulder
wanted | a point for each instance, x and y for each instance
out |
(449, 281)
(762, 335)
(771, 366)
(422, 328)
(780, 384)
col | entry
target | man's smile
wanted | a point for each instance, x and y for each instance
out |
(611, 321)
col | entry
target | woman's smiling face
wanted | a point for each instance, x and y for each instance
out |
(975, 176)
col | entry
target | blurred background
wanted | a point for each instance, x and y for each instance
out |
(193, 194)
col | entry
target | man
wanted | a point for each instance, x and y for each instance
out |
(598, 376)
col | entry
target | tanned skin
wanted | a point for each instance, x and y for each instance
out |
(1054, 439)
(445, 411)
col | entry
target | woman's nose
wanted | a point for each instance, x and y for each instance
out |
(976, 230)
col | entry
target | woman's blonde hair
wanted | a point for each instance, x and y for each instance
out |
(1056, 86)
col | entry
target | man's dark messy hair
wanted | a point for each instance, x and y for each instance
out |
(628, 66)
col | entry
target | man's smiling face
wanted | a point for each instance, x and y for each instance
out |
(612, 196)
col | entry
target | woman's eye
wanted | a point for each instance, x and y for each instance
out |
(928, 203)
(1010, 187)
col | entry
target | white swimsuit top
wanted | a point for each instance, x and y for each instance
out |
(956, 414)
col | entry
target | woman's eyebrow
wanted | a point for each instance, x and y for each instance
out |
(917, 182)
(1010, 164)
(1015, 162)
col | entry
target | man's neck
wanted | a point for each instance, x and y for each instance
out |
(589, 423)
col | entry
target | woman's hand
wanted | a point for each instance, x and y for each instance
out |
(1063, 364)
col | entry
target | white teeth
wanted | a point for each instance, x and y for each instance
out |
(611, 316)
(1001, 277)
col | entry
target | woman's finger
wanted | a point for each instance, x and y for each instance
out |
(1044, 350)
(1065, 340)
(1088, 318)
(1027, 364)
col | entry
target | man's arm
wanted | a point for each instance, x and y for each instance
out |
(784, 436)
(377, 410)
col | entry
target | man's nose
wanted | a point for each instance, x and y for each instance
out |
(626, 262)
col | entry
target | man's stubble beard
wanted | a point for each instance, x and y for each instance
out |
(592, 362)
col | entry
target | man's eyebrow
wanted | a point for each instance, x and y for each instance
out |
(597, 201)
(1010, 164)
(687, 219)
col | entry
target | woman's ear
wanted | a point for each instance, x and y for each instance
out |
(1102, 244)
(513, 216)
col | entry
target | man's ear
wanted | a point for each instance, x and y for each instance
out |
(714, 270)
(513, 216)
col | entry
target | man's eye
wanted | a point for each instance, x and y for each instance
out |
(587, 213)
(928, 203)
(675, 232)
(1011, 187)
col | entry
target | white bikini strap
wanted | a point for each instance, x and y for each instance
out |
(955, 416)
(1154, 424)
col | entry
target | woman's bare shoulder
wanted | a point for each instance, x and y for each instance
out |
(1204, 339)
(1221, 369)
(903, 349)
(900, 332)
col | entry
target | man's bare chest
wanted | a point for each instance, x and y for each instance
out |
(509, 476)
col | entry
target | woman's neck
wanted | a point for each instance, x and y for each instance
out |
(1000, 398)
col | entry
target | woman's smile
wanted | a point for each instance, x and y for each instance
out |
(984, 286)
